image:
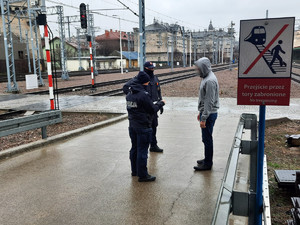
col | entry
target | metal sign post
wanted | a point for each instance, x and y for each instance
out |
(142, 37)
(264, 77)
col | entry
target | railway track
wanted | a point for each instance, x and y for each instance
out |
(179, 75)
(21, 77)
(102, 84)
(119, 91)
(11, 114)
(186, 75)
(295, 77)
(296, 66)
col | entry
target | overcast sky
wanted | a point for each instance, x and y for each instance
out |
(192, 14)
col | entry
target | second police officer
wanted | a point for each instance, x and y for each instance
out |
(155, 94)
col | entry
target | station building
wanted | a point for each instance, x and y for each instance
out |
(163, 39)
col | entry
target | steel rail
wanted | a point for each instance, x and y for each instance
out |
(119, 91)
(295, 77)
(21, 77)
(10, 114)
(102, 84)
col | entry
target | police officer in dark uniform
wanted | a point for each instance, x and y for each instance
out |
(155, 93)
(141, 112)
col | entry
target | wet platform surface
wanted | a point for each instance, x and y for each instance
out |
(11, 97)
(87, 179)
(117, 104)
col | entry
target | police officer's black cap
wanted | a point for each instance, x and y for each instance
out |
(149, 65)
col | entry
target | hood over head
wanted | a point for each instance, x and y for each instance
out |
(143, 77)
(138, 81)
(204, 65)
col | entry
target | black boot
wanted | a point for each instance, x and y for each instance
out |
(201, 161)
(148, 178)
(155, 148)
(202, 167)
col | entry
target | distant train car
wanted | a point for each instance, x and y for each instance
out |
(257, 35)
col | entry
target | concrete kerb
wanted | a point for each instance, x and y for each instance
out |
(34, 145)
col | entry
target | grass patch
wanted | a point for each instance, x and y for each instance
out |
(281, 157)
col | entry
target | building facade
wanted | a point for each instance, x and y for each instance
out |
(23, 40)
(110, 41)
(165, 42)
(71, 51)
(162, 40)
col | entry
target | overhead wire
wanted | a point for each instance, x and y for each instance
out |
(174, 20)
(98, 13)
(128, 8)
(159, 13)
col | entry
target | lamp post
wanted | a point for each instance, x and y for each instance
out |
(121, 53)
(231, 45)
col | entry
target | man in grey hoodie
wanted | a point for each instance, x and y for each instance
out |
(208, 105)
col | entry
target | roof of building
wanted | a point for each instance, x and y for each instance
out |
(111, 35)
(160, 26)
(126, 54)
(131, 55)
(206, 33)
(156, 27)
(210, 26)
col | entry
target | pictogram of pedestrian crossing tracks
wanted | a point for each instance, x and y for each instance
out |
(268, 56)
(115, 86)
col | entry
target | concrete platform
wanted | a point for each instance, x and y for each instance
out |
(75, 103)
(87, 180)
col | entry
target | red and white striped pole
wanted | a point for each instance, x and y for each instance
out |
(92, 66)
(47, 47)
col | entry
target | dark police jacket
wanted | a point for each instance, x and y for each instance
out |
(140, 106)
(153, 88)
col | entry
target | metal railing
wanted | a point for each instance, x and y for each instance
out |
(230, 200)
(41, 120)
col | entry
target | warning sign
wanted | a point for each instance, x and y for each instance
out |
(265, 61)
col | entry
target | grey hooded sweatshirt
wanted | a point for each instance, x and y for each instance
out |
(208, 101)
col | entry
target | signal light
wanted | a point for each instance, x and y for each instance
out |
(83, 20)
(41, 19)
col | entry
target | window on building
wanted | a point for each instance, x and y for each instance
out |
(21, 54)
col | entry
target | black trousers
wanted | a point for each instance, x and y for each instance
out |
(154, 129)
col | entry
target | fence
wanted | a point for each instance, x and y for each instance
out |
(41, 120)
